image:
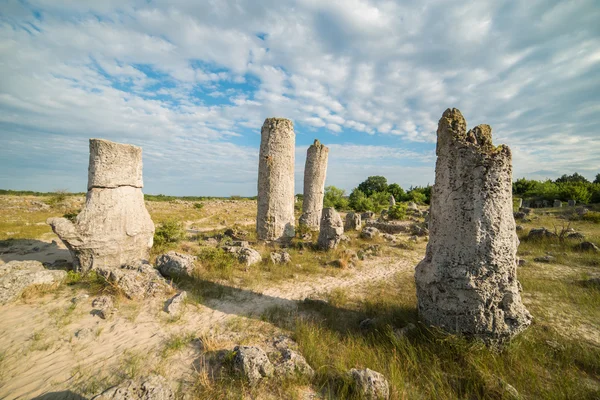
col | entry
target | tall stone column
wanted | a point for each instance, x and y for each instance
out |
(315, 172)
(467, 282)
(275, 217)
(114, 228)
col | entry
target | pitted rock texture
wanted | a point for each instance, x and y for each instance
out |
(275, 214)
(370, 384)
(353, 222)
(331, 231)
(467, 282)
(315, 171)
(252, 363)
(136, 282)
(16, 276)
(114, 228)
(173, 264)
(154, 387)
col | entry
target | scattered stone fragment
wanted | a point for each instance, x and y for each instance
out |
(245, 255)
(175, 304)
(557, 204)
(292, 364)
(520, 215)
(84, 333)
(522, 262)
(369, 232)
(114, 228)
(367, 324)
(280, 257)
(371, 384)
(331, 230)
(173, 264)
(519, 228)
(388, 237)
(103, 307)
(412, 205)
(526, 210)
(79, 298)
(236, 233)
(353, 222)
(136, 282)
(581, 211)
(467, 282)
(575, 235)
(252, 363)
(16, 276)
(545, 259)
(153, 387)
(367, 215)
(588, 246)
(391, 227)
(541, 233)
(315, 171)
(405, 330)
(419, 230)
(275, 214)
(572, 203)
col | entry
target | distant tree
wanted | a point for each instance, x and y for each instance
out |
(522, 186)
(373, 184)
(597, 180)
(395, 190)
(572, 178)
(380, 201)
(359, 201)
(419, 194)
(334, 197)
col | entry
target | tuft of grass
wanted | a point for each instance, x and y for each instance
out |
(175, 343)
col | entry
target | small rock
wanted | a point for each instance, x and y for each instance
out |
(79, 298)
(367, 324)
(576, 236)
(292, 364)
(173, 264)
(541, 233)
(175, 304)
(153, 387)
(519, 228)
(545, 259)
(252, 363)
(16, 276)
(369, 233)
(521, 262)
(84, 333)
(280, 257)
(414, 238)
(402, 332)
(388, 237)
(588, 246)
(371, 384)
(103, 307)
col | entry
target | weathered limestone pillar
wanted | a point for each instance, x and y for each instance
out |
(114, 228)
(275, 217)
(315, 171)
(467, 282)
(392, 201)
(331, 231)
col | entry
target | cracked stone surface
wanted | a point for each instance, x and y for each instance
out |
(114, 228)
(315, 172)
(275, 212)
(467, 282)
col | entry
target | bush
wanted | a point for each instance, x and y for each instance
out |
(359, 202)
(169, 231)
(198, 206)
(58, 197)
(592, 216)
(217, 259)
(334, 197)
(398, 211)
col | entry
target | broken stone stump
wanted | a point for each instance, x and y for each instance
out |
(353, 222)
(114, 228)
(331, 231)
(467, 282)
(315, 171)
(275, 214)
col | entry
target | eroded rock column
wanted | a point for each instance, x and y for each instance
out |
(114, 228)
(467, 282)
(315, 172)
(332, 229)
(275, 216)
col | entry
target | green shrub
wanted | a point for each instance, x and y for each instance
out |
(217, 259)
(398, 211)
(592, 216)
(58, 197)
(71, 216)
(169, 231)
(198, 206)
(334, 197)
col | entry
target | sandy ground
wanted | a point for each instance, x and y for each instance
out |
(42, 353)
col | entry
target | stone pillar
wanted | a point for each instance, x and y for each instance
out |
(353, 221)
(275, 217)
(392, 201)
(331, 231)
(114, 228)
(315, 172)
(519, 203)
(557, 203)
(572, 203)
(467, 282)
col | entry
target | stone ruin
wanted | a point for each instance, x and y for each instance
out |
(113, 233)
(275, 215)
(467, 282)
(315, 171)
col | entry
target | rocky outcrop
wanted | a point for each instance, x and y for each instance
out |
(315, 171)
(252, 363)
(153, 387)
(353, 222)
(173, 264)
(467, 282)
(370, 384)
(275, 214)
(16, 276)
(331, 231)
(114, 228)
(136, 282)
(369, 232)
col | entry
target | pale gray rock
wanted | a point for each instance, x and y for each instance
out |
(245, 255)
(136, 282)
(293, 363)
(353, 221)
(280, 257)
(176, 303)
(557, 204)
(572, 203)
(547, 259)
(405, 330)
(391, 227)
(541, 233)
(371, 384)
(392, 201)
(114, 228)
(275, 213)
(519, 203)
(173, 264)
(367, 215)
(16, 276)
(587, 246)
(153, 387)
(412, 205)
(103, 306)
(252, 363)
(369, 232)
(581, 211)
(526, 210)
(315, 171)
(467, 282)
(331, 230)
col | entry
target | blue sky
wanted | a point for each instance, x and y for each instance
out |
(192, 81)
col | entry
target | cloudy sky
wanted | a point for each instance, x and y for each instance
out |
(191, 81)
